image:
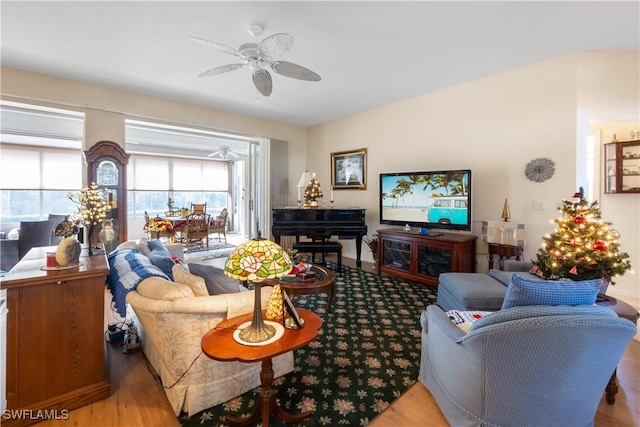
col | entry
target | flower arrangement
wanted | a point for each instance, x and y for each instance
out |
(373, 245)
(92, 206)
(158, 225)
(170, 203)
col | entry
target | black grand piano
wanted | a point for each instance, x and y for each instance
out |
(320, 223)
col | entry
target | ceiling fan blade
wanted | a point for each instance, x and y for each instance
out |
(275, 46)
(262, 80)
(218, 46)
(295, 71)
(221, 69)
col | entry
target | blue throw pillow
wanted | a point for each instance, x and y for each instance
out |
(521, 292)
(161, 258)
(156, 244)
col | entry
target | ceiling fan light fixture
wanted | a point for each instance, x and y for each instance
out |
(262, 80)
(257, 56)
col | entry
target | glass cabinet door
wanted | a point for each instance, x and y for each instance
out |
(610, 168)
(433, 260)
(622, 167)
(630, 163)
(396, 254)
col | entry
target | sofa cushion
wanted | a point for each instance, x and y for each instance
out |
(523, 292)
(13, 234)
(161, 257)
(504, 277)
(163, 289)
(143, 246)
(470, 291)
(216, 281)
(163, 261)
(196, 283)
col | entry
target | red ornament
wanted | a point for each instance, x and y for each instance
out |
(599, 245)
(579, 219)
(574, 270)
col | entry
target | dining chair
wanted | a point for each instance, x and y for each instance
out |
(219, 225)
(198, 208)
(34, 234)
(196, 230)
(146, 222)
(173, 212)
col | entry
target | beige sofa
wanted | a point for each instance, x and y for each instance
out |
(171, 321)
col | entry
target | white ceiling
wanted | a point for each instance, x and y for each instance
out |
(368, 53)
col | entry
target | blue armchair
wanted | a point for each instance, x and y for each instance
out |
(522, 366)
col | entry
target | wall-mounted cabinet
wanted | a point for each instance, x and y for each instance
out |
(622, 167)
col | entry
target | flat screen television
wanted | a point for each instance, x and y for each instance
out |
(431, 199)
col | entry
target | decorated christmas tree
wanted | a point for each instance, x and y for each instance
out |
(583, 246)
(313, 191)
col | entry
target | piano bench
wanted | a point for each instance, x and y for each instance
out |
(321, 247)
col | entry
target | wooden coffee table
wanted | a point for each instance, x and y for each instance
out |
(324, 283)
(219, 344)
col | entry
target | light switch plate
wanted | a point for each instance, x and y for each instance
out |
(539, 205)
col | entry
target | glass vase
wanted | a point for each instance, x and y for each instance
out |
(92, 229)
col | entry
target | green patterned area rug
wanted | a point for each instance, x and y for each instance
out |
(366, 355)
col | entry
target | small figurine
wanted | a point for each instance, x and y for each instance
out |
(506, 213)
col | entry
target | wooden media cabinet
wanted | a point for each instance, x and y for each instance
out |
(421, 258)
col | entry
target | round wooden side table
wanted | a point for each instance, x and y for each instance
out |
(324, 283)
(219, 344)
(626, 311)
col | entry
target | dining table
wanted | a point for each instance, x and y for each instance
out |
(177, 222)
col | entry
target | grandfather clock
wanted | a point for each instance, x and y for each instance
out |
(107, 167)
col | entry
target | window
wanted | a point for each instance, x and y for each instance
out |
(152, 180)
(186, 164)
(40, 161)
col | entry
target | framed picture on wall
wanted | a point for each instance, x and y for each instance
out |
(349, 170)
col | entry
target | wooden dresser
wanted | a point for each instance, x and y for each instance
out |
(55, 336)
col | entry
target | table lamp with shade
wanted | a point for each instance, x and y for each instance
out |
(254, 261)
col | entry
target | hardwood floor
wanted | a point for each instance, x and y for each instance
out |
(137, 399)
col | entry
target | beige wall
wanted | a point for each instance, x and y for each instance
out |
(106, 109)
(495, 126)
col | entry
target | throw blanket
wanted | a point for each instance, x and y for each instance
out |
(128, 267)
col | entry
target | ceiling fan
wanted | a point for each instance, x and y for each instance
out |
(260, 55)
(224, 153)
